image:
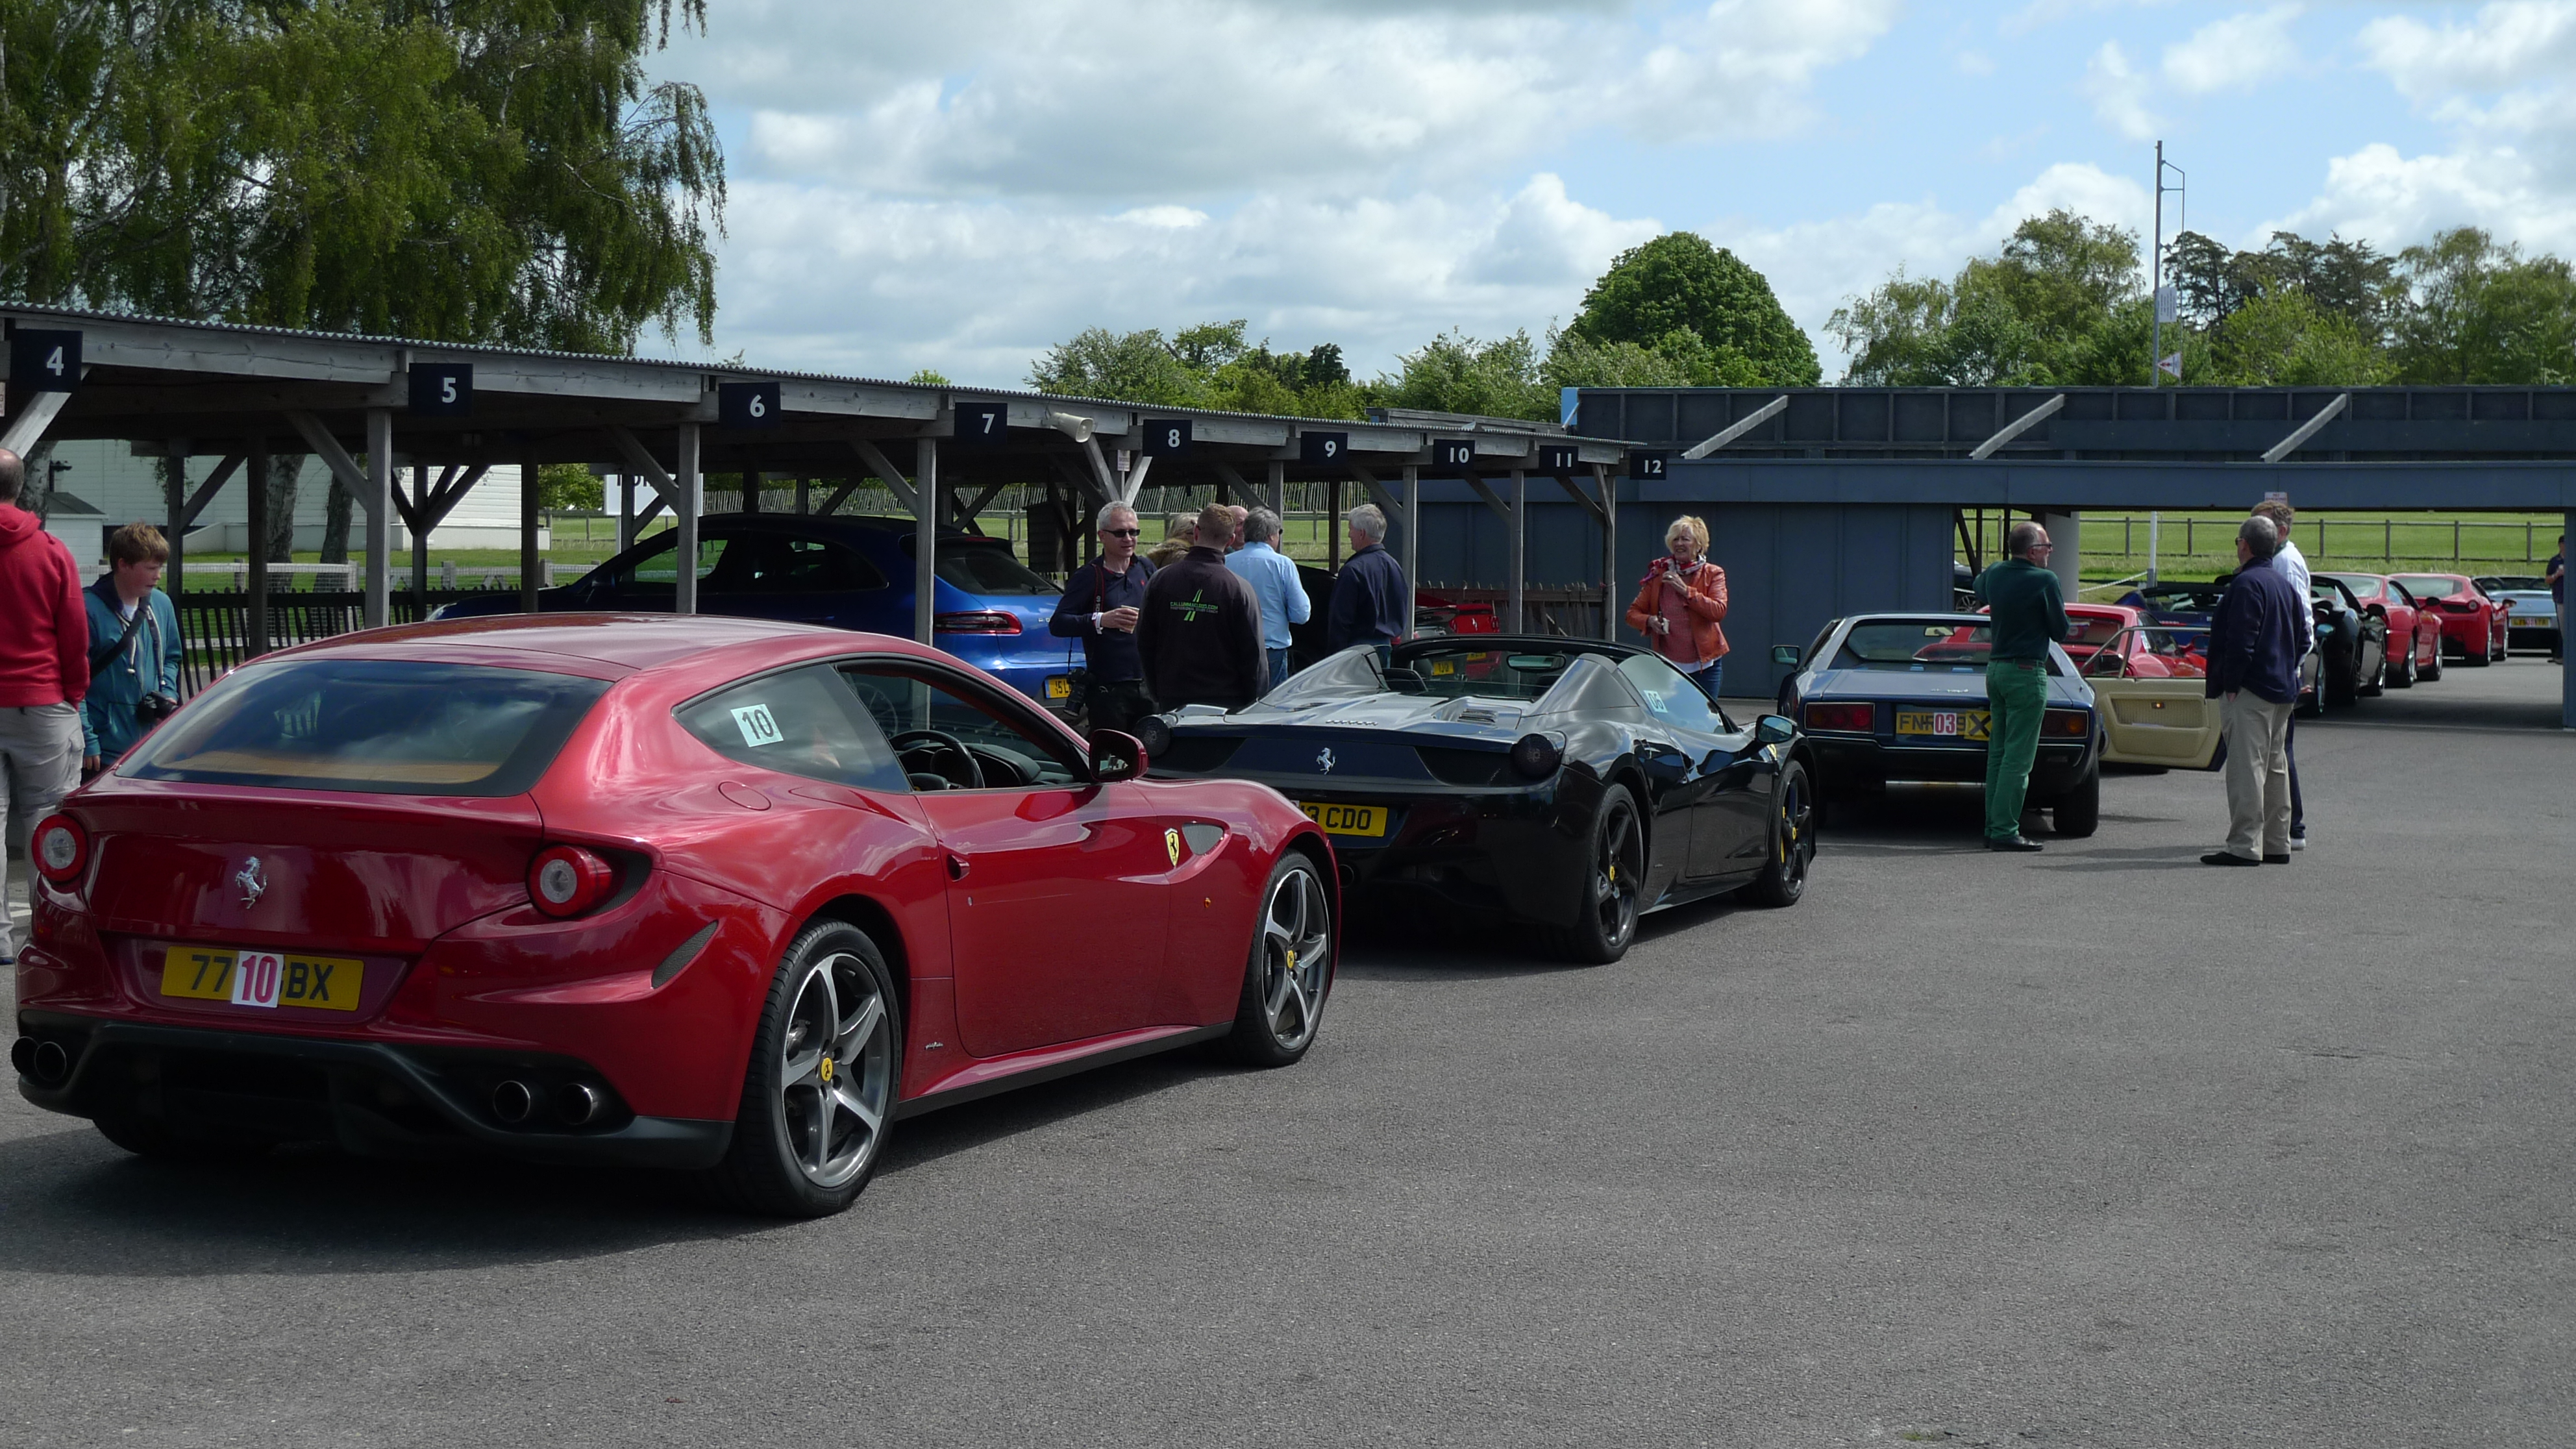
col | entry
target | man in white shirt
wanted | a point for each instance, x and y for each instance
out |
(1274, 582)
(2293, 565)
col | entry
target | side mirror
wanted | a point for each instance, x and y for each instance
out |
(1775, 729)
(1785, 655)
(1116, 756)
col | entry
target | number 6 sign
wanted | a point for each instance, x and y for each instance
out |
(44, 360)
(747, 404)
(1166, 437)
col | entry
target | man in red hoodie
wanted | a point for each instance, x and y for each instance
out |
(44, 670)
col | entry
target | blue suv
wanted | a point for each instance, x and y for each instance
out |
(848, 572)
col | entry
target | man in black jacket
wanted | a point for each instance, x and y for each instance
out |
(1101, 606)
(2254, 649)
(1200, 634)
(1371, 603)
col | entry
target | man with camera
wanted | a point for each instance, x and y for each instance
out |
(133, 649)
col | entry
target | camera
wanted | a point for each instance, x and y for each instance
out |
(151, 709)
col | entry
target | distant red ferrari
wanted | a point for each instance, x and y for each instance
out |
(2146, 653)
(710, 894)
(2408, 619)
(2473, 626)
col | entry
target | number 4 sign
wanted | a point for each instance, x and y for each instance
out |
(44, 360)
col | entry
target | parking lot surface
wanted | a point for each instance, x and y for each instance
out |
(2092, 1147)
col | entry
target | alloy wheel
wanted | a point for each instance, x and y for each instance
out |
(1615, 872)
(1797, 835)
(1296, 956)
(837, 1070)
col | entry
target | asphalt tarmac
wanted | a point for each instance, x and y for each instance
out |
(2090, 1148)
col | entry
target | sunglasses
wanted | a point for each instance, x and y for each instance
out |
(1121, 532)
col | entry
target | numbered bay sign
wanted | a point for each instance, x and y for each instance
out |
(44, 360)
(1647, 467)
(442, 389)
(1453, 452)
(1166, 437)
(1559, 458)
(747, 404)
(983, 424)
(1324, 450)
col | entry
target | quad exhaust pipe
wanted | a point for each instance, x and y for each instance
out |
(512, 1101)
(43, 1062)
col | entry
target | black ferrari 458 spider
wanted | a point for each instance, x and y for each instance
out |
(1566, 783)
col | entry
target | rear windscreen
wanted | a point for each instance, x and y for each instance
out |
(379, 726)
(1916, 647)
(981, 566)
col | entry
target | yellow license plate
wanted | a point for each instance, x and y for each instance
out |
(262, 978)
(1059, 686)
(1964, 724)
(1443, 666)
(1347, 819)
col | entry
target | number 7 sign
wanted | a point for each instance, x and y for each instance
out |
(44, 360)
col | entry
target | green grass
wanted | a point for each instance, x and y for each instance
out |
(2201, 545)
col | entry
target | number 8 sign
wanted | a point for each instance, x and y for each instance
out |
(1166, 437)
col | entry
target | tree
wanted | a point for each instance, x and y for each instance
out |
(1455, 373)
(569, 485)
(2284, 338)
(2061, 302)
(1680, 284)
(466, 170)
(2348, 279)
(2480, 312)
(1207, 366)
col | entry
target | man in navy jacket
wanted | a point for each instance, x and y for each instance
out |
(2254, 647)
(1371, 603)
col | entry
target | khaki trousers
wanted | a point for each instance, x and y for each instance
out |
(2258, 775)
(40, 756)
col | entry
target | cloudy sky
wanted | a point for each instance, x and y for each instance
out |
(956, 186)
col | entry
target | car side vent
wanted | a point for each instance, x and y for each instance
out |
(1197, 754)
(1464, 767)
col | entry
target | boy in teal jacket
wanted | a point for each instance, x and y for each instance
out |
(133, 645)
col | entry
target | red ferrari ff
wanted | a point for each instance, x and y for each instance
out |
(2473, 625)
(2407, 619)
(712, 894)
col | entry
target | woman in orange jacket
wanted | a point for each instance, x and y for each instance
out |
(1681, 601)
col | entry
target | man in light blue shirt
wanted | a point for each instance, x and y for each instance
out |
(1274, 582)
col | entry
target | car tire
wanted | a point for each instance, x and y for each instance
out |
(2475, 658)
(2378, 684)
(2340, 687)
(2078, 812)
(1614, 861)
(1290, 971)
(826, 1058)
(1783, 881)
(2400, 675)
(150, 1137)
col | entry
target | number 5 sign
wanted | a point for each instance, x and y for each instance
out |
(44, 361)
(442, 388)
(1166, 437)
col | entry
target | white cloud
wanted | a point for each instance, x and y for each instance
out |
(2506, 44)
(2080, 187)
(2119, 93)
(2236, 53)
(1743, 66)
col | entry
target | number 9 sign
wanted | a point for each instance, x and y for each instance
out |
(1166, 437)
(1323, 450)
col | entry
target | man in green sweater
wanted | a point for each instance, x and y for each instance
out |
(2030, 616)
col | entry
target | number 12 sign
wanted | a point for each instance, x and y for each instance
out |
(44, 360)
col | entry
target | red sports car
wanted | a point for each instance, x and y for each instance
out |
(2473, 625)
(2149, 653)
(712, 894)
(2407, 619)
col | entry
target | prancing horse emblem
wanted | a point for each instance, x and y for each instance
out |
(253, 884)
(1325, 762)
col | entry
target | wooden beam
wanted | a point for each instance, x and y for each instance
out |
(643, 462)
(888, 474)
(205, 493)
(1501, 509)
(336, 458)
(1579, 496)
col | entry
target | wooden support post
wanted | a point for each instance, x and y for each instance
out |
(418, 521)
(174, 490)
(625, 511)
(1333, 525)
(804, 495)
(1275, 495)
(930, 502)
(532, 568)
(257, 643)
(1520, 547)
(690, 486)
(379, 503)
(1608, 483)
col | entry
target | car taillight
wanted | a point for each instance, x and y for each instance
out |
(1853, 718)
(566, 880)
(2070, 723)
(61, 849)
(976, 621)
(1536, 756)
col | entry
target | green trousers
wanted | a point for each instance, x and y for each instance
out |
(2017, 692)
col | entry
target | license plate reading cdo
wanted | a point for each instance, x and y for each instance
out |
(262, 978)
(1347, 819)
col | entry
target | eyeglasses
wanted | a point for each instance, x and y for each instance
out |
(2041, 547)
(1121, 532)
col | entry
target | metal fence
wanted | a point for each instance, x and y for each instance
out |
(215, 627)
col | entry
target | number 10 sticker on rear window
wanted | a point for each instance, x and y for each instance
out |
(757, 726)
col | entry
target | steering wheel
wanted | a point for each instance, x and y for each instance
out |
(932, 742)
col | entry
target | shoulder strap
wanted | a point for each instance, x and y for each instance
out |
(98, 657)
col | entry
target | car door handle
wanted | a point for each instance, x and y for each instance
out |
(957, 866)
